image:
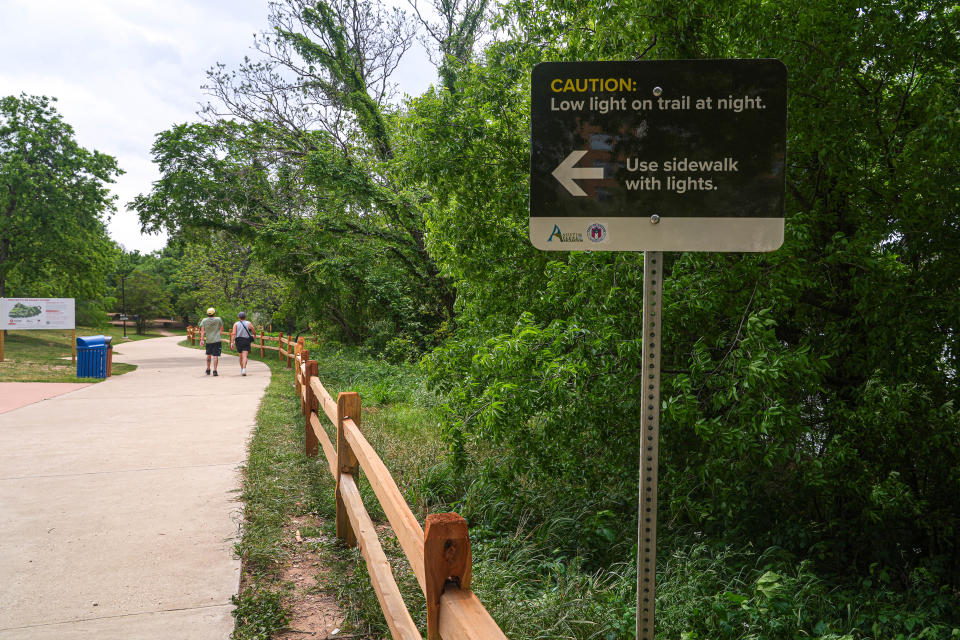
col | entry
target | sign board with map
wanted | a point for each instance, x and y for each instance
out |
(20, 314)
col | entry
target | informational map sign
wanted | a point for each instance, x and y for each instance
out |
(674, 155)
(19, 314)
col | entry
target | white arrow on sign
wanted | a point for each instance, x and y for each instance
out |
(566, 173)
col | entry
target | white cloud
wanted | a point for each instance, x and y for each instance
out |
(124, 70)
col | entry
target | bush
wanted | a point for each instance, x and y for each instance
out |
(724, 592)
(90, 314)
(400, 349)
(380, 332)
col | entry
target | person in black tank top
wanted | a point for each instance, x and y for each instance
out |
(241, 337)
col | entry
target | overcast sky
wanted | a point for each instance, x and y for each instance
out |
(123, 70)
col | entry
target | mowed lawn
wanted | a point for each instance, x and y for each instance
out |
(44, 356)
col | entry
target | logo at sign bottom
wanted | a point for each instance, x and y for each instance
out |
(668, 234)
(597, 232)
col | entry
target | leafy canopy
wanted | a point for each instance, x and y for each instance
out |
(53, 204)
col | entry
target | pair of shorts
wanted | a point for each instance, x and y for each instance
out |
(243, 344)
(214, 348)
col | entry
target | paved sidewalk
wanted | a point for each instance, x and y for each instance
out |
(119, 505)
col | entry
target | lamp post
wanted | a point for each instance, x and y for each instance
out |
(123, 303)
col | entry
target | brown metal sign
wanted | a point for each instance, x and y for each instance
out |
(674, 155)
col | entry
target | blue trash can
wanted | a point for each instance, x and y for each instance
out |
(91, 356)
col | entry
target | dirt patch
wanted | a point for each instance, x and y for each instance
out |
(315, 613)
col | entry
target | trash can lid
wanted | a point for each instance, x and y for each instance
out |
(91, 341)
(107, 340)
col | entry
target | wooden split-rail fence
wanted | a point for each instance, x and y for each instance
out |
(439, 554)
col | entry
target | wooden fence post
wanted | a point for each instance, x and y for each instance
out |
(261, 342)
(297, 386)
(348, 406)
(296, 349)
(280, 346)
(446, 558)
(311, 443)
(304, 376)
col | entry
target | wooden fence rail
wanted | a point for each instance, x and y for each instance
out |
(439, 554)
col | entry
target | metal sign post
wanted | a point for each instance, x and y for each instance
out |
(650, 448)
(654, 156)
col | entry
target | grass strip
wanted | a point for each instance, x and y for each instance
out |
(45, 356)
(282, 486)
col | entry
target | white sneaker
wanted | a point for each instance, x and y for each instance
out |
(243, 372)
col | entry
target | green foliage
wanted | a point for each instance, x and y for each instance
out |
(146, 298)
(90, 313)
(319, 206)
(711, 592)
(400, 349)
(259, 614)
(53, 203)
(224, 273)
(471, 147)
(810, 395)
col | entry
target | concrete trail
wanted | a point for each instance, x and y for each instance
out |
(118, 502)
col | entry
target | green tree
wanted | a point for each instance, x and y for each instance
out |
(146, 298)
(53, 204)
(811, 394)
(303, 170)
(224, 273)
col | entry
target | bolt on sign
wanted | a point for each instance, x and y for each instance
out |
(671, 155)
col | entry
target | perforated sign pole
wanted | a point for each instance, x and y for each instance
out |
(650, 447)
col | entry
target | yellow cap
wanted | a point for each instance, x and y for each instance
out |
(211, 311)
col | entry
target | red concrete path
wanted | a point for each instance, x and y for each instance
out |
(14, 395)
